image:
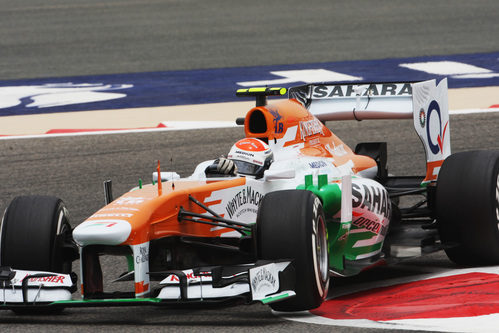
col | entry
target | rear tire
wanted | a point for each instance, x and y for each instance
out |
(291, 225)
(467, 207)
(32, 232)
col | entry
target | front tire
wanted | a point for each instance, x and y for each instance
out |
(467, 207)
(291, 225)
(33, 231)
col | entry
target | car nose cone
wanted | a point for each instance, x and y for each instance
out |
(102, 232)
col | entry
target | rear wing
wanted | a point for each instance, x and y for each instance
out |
(425, 102)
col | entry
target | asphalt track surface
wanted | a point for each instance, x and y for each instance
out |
(57, 38)
(86, 37)
(73, 168)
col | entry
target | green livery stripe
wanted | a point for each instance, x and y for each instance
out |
(353, 253)
(275, 298)
(330, 194)
(354, 237)
(118, 300)
(130, 263)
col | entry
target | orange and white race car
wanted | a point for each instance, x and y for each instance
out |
(291, 206)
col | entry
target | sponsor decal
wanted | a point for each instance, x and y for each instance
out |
(52, 279)
(317, 164)
(439, 146)
(351, 90)
(119, 208)
(278, 125)
(310, 127)
(246, 196)
(370, 225)
(315, 141)
(143, 255)
(244, 153)
(247, 210)
(112, 215)
(191, 277)
(126, 201)
(263, 279)
(141, 268)
(100, 224)
(374, 198)
(250, 144)
(316, 205)
(422, 117)
(336, 150)
(48, 280)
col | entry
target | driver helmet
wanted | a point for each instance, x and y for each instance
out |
(251, 156)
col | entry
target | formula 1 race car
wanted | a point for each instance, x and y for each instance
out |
(319, 209)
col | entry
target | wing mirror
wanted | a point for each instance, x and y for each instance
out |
(279, 174)
(165, 176)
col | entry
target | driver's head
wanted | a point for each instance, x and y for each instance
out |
(251, 156)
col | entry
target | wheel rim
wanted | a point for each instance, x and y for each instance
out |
(497, 200)
(63, 227)
(1, 233)
(321, 249)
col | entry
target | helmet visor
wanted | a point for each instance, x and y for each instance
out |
(247, 168)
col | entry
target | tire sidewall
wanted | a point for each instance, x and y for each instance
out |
(319, 235)
(466, 207)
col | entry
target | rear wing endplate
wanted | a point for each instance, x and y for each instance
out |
(425, 102)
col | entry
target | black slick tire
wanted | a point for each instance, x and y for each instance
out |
(291, 225)
(467, 207)
(32, 231)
